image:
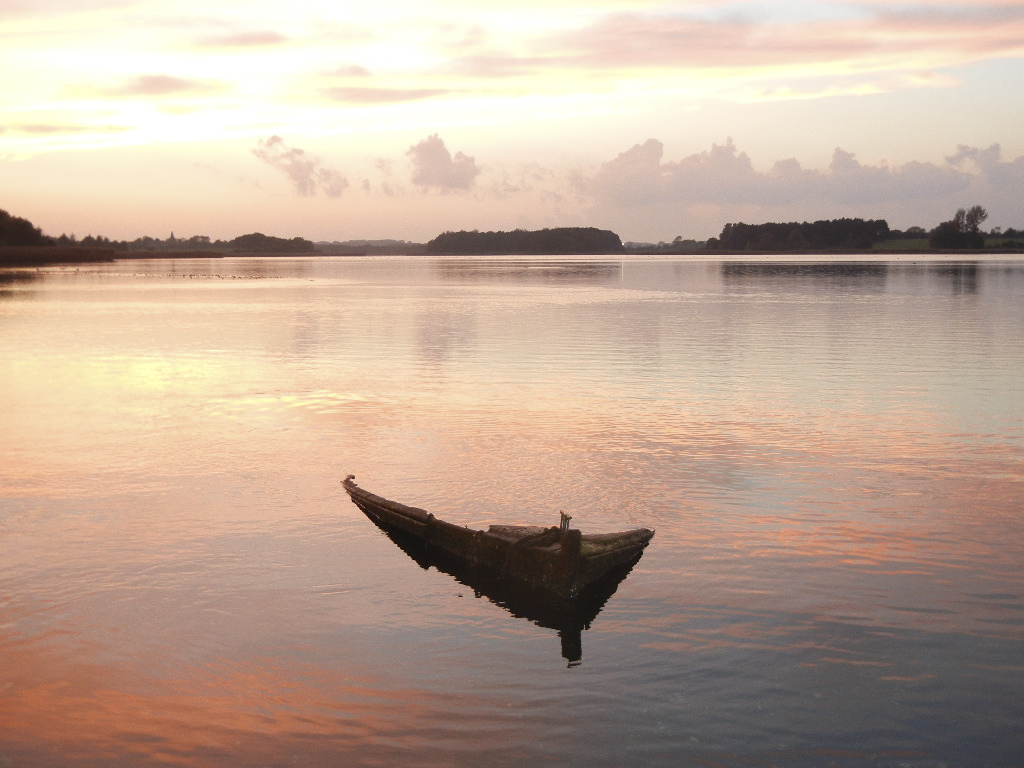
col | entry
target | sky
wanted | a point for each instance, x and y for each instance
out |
(400, 119)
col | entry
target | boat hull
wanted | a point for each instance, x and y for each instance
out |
(561, 561)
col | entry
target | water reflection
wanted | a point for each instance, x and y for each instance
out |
(869, 277)
(832, 456)
(962, 278)
(10, 278)
(530, 271)
(568, 616)
(440, 333)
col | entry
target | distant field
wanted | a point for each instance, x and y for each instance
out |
(906, 244)
(1004, 242)
(921, 244)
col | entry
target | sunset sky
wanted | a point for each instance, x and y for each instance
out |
(401, 119)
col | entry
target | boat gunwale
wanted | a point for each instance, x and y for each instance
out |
(579, 558)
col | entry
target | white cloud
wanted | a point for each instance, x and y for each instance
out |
(434, 167)
(306, 172)
(639, 177)
(711, 188)
(848, 181)
(726, 176)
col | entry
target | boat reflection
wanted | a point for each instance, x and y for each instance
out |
(569, 616)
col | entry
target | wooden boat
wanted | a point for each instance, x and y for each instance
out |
(559, 560)
(569, 616)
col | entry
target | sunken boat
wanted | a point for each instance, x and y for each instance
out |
(558, 560)
(568, 616)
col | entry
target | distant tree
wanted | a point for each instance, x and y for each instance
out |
(560, 240)
(257, 242)
(962, 231)
(146, 243)
(796, 241)
(947, 235)
(20, 232)
(837, 234)
(976, 215)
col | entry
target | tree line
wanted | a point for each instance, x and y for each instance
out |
(962, 232)
(835, 234)
(557, 241)
(256, 242)
(17, 232)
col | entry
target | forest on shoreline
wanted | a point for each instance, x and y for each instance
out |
(23, 244)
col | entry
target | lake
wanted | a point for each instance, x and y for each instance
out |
(832, 455)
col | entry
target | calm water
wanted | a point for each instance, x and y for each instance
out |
(832, 456)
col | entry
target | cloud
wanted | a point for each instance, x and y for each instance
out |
(992, 177)
(433, 166)
(872, 39)
(57, 7)
(849, 181)
(775, 52)
(155, 85)
(726, 176)
(387, 184)
(52, 129)
(361, 95)
(722, 184)
(306, 172)
(639, 177)
(244, 40)
(497, 66)
(349, 70)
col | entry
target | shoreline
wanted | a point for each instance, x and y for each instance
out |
(45, 256)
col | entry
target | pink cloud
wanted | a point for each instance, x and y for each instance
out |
(154, 85)
(53, 129)
(434, 167)
(360, 95)
(909, 38)
(725, 176)
(307, 173)
(641, 191)
(245, 40)
(349, 70)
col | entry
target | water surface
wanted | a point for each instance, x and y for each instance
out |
(832, 456)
